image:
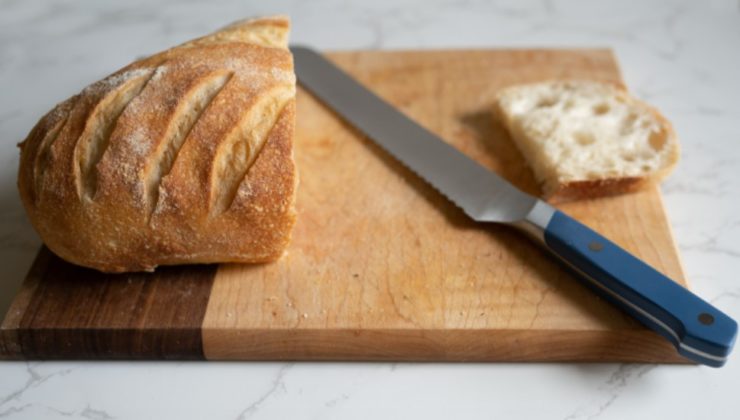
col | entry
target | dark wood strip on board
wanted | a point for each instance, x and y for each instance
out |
(10, 347)
(78, 313)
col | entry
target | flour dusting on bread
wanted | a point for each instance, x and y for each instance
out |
(144, 167)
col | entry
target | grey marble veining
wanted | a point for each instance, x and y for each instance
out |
(682, 56)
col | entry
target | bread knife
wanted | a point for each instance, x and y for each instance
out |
(699, 331)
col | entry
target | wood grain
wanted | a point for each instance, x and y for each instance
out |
(74, 312)
(381, 267)
(10, 346)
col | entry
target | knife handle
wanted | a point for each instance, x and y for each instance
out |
(700, 332)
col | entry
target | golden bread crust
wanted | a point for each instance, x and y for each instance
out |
(182, 157)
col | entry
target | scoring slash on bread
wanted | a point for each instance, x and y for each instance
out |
(587, 139)
(182, 157)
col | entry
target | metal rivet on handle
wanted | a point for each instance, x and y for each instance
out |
(595, 246)
(706, 319)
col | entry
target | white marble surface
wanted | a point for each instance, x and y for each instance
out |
(683, 56)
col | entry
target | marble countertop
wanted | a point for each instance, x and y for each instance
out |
(682, 56)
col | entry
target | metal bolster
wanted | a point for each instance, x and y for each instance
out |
(535, 222)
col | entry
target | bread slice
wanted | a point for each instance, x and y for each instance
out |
(179, 158)
(586, 138)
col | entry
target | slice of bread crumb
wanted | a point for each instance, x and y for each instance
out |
(587, 139)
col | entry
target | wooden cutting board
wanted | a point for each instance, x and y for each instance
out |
(381, 267)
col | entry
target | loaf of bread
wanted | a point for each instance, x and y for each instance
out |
(587, 139)
(182, 157)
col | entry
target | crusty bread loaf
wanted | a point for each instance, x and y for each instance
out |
(586, 138)
(182, 157)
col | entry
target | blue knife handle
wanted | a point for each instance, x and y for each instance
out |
(700, 332)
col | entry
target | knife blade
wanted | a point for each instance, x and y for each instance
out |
(698, 330)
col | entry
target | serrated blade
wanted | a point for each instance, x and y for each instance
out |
(482, 194)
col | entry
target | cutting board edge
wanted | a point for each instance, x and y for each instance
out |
(672, 239)
(433, 50)
(485, 345)
(9, 340)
